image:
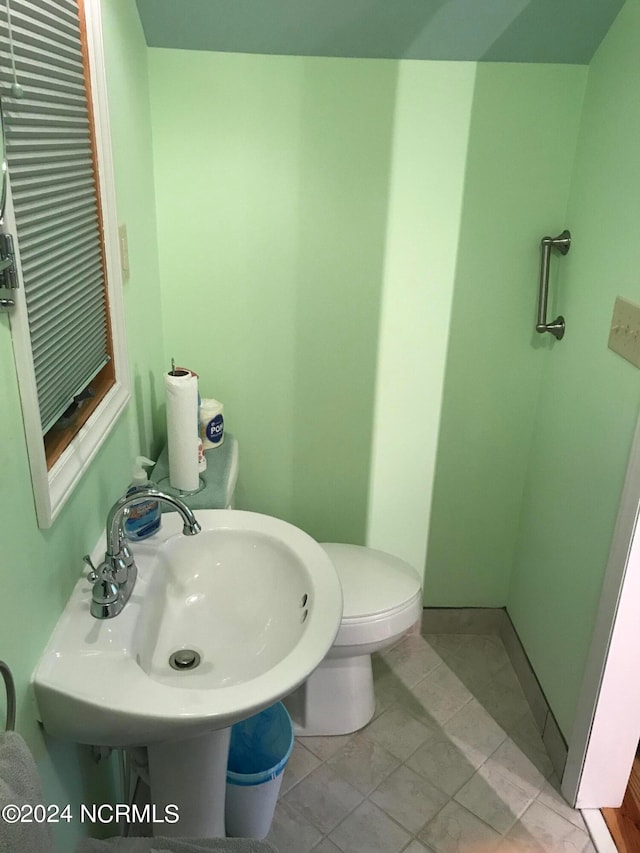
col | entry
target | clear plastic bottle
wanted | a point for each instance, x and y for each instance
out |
(144, 516)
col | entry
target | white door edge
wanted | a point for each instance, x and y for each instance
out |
(607, 726)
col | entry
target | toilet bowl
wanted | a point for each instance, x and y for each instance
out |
(382, 600)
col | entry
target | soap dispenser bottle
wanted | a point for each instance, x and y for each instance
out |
(144, 516)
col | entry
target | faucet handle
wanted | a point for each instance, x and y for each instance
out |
(104, 594)
(115, 568)
(109, 571)
(93, 575)
(125, 552)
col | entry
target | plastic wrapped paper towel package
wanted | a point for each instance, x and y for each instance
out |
(219, 479)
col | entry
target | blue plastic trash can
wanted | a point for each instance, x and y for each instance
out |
(259, 750)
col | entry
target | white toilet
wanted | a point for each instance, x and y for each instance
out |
(382, 600)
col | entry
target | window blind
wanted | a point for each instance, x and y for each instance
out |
(53, 184)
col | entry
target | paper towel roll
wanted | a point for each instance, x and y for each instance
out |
(182, 437)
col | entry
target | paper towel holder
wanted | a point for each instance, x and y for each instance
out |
(178, 371)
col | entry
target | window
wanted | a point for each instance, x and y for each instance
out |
(67, 325)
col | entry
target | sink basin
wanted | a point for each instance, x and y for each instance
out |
(254, 597)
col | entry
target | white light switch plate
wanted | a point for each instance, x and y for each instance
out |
(124, 251)
(624, 337)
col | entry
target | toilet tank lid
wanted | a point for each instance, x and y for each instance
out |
(373, 582)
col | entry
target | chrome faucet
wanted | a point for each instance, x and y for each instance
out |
(115, 577)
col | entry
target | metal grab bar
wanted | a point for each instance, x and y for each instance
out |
(11, 696)
(562, 243)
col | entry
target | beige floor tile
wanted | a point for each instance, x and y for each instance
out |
(446, 645)
(441, 762)
(409, 798)
(290, 832)
(323, 798)
(550, 830)
(411, 659)
(300, 764)
(501, 696)
(516, 844)
(456, 830)
(399, 732)
(486, 652)
(441, 694)
(363, 763)
(417, 847)
(553, 799)
(527, 736)
(326, 846)
(477, 662)
(515, 766)
(368, 829)
(475, 732)
(324, 747)
(390, 690)
(494, 799)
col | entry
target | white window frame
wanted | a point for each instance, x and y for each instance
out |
(52, 488)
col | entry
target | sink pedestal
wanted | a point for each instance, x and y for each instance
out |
(191, 774)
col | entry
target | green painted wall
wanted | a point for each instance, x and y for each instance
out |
(522, 141)
(272, 178)
(421, 244)
(291, 192)
(589, 395)
(39, 568)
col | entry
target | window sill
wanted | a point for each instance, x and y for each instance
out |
(79, 454)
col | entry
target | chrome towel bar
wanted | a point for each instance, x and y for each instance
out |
(562, 243)
(11, 696)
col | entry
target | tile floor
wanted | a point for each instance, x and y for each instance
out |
(451, 762)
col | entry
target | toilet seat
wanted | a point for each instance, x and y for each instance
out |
(381, 594)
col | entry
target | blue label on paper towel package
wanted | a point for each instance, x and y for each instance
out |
(215, 429)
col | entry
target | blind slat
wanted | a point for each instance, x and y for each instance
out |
(54, 280)
(48, 179)
(91, 336)
(65, 233)
(53, 193)
(40, 229)
(67, 308)
(66, 259)
(63, 11)
(31, 214)
(65, 319)
(53, 413)
(50, 291)
(66, 387)
(35, 78)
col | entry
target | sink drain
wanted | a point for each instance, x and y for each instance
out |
(184, 659)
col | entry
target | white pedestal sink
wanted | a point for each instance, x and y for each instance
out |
(255, 598)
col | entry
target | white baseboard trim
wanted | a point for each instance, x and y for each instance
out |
(599, 832)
